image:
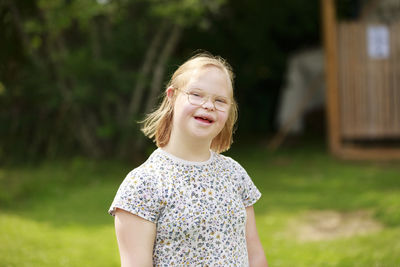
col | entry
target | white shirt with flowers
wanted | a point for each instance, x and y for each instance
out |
(198, 208)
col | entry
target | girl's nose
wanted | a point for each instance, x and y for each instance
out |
(209, 104)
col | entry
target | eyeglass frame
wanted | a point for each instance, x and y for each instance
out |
(208, 96)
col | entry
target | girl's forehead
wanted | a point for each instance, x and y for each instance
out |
(210, 78)
(208, 69)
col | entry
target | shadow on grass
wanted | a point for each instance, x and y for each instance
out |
(63, 193)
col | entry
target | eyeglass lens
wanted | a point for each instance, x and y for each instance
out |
(198, 99)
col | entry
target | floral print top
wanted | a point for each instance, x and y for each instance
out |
(198, 208)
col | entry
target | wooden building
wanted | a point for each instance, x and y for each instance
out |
(363, 86)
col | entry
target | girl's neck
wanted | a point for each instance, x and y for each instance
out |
(190, 150)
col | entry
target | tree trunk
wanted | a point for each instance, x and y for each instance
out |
(21, 33)
(159, 70)
(83, 124)
(138, 91)
(94, 39)
(158, 76)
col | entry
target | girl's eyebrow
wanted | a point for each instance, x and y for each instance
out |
(196, 88)
(202, 91)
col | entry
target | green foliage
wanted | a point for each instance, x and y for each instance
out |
(185, 12)
(72, 76)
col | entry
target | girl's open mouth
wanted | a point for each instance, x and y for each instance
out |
(203, 119)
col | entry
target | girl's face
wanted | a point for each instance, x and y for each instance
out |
(202, 122)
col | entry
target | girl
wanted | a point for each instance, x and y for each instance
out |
(188, 205)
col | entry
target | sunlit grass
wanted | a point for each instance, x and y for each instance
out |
(27, 242)
(56, 214)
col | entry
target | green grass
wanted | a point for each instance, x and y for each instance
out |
(55, 214)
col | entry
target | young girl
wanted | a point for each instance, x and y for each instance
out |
(188, 205)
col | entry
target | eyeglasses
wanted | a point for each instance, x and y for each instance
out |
(199, 98)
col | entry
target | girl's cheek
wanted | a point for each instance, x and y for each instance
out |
(188, 110)
(223, 117)
(182, 108)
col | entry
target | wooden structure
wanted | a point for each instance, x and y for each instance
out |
(363, 92)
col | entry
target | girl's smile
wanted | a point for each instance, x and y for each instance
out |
(207, 119)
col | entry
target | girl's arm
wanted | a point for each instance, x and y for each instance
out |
(135, 237)
(254, 247)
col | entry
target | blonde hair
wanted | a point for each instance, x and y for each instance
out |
(158, 124)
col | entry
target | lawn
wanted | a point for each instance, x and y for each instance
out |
(315, 210)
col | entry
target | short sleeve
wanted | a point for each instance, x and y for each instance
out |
(249, 192)
(138, 194)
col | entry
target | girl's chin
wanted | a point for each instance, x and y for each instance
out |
(203, 136)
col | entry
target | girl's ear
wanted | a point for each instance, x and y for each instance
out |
(170, 92)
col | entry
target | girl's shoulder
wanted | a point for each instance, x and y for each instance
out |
(157, 168)
(228, 162)
(152, 165)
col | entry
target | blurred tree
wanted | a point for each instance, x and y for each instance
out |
(74, 73)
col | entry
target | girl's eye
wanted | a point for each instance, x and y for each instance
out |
(196, 94)
(221, 100)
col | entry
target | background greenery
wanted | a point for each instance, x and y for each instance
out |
(75, 76)
(56, 214)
